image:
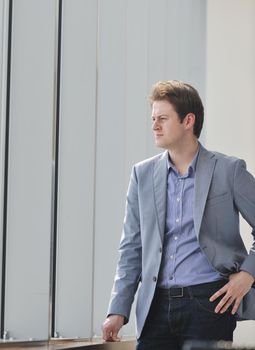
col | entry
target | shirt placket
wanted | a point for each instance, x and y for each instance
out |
(178, 198)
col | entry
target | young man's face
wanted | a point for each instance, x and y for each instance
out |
(168, 130)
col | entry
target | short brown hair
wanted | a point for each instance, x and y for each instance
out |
(183, 97)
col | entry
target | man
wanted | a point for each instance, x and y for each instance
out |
(181, 240)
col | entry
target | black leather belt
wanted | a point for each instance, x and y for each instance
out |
(179, 292)
(197, 290)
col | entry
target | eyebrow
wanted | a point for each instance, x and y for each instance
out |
(158, 116)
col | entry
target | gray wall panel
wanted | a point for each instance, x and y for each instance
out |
(110, 148)
(160, 15)
(76, 169)
(192, 39)
(230, 91)
(29, 199)
(139, 43)
(3, 74)
(137, 59)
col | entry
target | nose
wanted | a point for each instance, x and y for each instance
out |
(155, 125)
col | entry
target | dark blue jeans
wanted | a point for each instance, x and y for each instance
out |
(173, 320)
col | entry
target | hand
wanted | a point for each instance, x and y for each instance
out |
(239, 284)
(111, 327)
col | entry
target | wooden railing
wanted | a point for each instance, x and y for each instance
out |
(68, 345)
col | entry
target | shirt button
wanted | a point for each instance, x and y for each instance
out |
(154, 279)
(171, 256)
(177, 220)
(175, 237)
(178, 199)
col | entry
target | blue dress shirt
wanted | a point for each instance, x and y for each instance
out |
(183, 263)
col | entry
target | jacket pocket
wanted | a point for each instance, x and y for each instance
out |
(214, 200)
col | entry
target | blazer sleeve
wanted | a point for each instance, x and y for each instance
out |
(129, 265)
(244, 198)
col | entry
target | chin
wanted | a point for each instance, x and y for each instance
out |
(161, 145)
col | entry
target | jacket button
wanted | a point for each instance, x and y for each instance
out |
(154, 279)
(160, 250)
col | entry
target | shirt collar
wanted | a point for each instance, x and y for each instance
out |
(192, 165)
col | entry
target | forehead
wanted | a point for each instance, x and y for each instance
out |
(162, 108)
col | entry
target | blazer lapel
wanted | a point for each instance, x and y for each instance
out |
(204, 171)
(160, 191)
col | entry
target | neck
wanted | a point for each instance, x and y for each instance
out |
(182, 155)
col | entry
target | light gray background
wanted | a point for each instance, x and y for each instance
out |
(112, 53)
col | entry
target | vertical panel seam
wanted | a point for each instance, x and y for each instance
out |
(95, 170)
(55, 163)
(6, 164)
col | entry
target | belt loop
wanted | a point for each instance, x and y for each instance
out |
(176, 292)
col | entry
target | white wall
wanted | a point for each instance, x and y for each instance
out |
(230, 94)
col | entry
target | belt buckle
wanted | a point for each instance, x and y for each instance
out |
(180, 295)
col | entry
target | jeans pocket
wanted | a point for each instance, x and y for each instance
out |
(206, 305)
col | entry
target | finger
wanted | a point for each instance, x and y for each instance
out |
(107, 334)
(115, 336)
(224, 301)
(109, 338)
(219, 293)
(104, 336)
(227, 305)
(236, 306)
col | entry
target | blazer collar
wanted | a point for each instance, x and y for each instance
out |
(160, 190)
(204, 172)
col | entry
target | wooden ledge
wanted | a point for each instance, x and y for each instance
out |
(125, 344)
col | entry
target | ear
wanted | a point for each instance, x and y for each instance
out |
(190, 120)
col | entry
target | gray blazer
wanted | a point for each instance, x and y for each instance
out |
(223, 188)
